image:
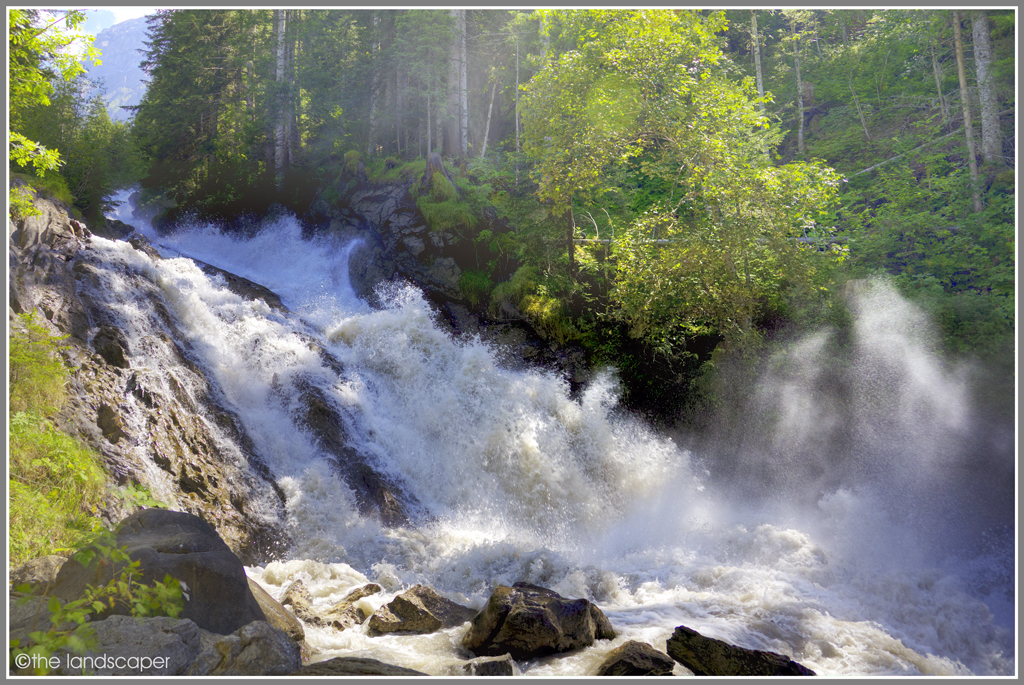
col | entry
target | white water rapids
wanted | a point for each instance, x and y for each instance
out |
(515, 481)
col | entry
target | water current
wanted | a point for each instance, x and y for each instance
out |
(515, 480)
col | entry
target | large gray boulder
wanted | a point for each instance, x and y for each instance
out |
(707, 656)
(418, 610)
(636, 658)
(133, 646)
(528, 621)
(187, 548)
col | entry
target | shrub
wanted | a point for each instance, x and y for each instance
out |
(476, 286)
(445, 216)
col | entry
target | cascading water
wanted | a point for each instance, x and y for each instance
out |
(511, 480)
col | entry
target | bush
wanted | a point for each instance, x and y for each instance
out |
(445, 216)
(476, 287)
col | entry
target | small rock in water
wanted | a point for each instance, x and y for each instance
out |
(636, 658)
(418, 610)
(708, 656)
(354, 666)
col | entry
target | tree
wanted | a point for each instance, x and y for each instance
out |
(991, 143)
(965, 100)
(39, 58)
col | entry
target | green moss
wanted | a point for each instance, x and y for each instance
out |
(445, 216)
(407, 172)
(441, 189)
(476, 286)
(352, 159)
(52, 185)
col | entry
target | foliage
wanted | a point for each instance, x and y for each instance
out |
(476, 287)
(38, 44)
(55, 482)
(128, 590)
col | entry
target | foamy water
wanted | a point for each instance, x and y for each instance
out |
(515, 481)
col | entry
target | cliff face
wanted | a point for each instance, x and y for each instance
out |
(151, 413)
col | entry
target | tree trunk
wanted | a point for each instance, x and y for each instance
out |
(991, 140)
(374, 85)
(463, 88)
(429, 149)
(965, 100)
(280, 18)
(451, 124)
(487, 126)
(937, 72)
(757, 55)
(799, 92)
(860, 112)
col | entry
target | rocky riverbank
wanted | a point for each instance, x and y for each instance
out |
(231, 626)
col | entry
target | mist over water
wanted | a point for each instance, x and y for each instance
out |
(846, 526)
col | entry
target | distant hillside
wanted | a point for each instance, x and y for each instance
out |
(120, 71)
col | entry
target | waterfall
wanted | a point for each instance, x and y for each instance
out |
(510, 479)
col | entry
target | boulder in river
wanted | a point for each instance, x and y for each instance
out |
(636, 658)
(418, 610)
(529, 621)
(708, 656)
(189, 549)
(354, 666)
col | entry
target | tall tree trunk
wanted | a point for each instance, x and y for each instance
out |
(402, 80)
(374, 85)
(991, 140)
(937, 72)
(280, 18)
(451, 124)
(429, 149)
(965, 100)
(757, 54)
(860, 111)
(292, 73)
(487, 126)
(799, 91)
(463, 88)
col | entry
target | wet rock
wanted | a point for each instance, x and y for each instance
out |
(110, 344)
(354, 666)
(375, 494)
(418, 610)
(488, 667)
(185, 547)
(528, 621)
(250, 290)
(706, 656)
(109, 424)
(347, 613)
(277, 615)
(254, 649)
(636, 658)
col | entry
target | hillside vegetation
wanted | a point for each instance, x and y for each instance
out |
(682, 186)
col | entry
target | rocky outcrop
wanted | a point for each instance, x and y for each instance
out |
(354, 666)
(418, 610)
(636, 658)
(185, 547)
(528, 621)
(254, 649)
(706, 656)
(156, 423)
(133, 646)
(124, 645)
(345, 614)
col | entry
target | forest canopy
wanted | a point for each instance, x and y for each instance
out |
(675, 181)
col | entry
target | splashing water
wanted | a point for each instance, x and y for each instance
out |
(515, 481)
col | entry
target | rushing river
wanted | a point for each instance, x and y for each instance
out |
(516, 481)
